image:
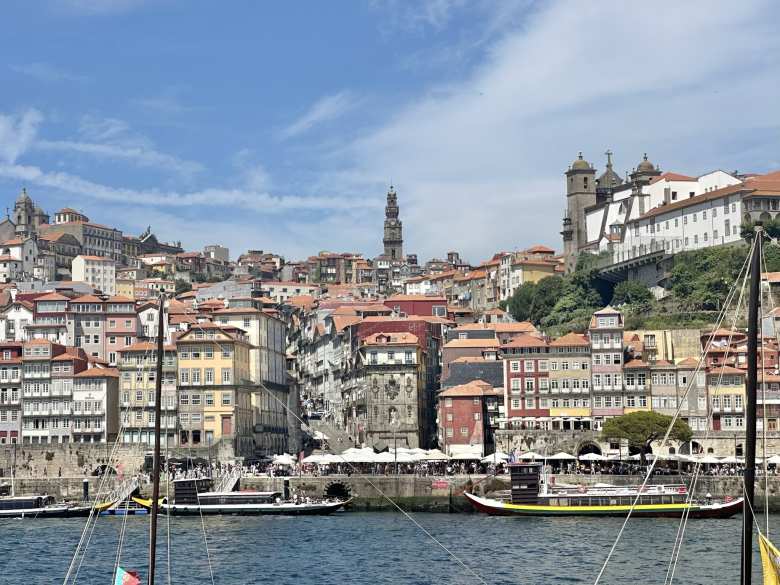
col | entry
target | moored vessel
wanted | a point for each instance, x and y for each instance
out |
(530, 495)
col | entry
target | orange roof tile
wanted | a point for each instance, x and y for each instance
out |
(570, 339)
(473, 388)
(381, 338)
(472, 343)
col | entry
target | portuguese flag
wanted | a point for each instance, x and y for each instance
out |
(126, 577)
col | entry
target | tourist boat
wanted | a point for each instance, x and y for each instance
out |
(530, 495)
(41, 507)
(194, 497)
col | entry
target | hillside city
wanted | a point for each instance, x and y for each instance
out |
(265, 354)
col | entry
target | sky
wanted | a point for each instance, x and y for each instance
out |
(279, 126)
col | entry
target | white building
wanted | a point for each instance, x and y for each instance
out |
(14, 319)
(97, 271)
(21, 256)
(282, 291)
(95, 409)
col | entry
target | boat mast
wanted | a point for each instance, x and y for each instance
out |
(750, 408)
(156, 466)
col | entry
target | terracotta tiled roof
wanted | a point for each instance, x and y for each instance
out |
(238, 311)
(570, 339)
(668, 176)
(146, 346)
(539, 249)
(98, 373)
(87, 299)
(433, 298)
(525, 340)
(688, 363)
(728, 370)
(475, 388)
(635, 364)
(471, 343)
(514, 327)
(52, 297)
(381, 338)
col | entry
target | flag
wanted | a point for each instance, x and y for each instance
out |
(126, 577)
(770, 561)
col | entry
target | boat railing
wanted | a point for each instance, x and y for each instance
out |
(658, 489)
(228, 481)
(121, 492)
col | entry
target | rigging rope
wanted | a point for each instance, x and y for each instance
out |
(372, 484)
(673, 561)
(668, 432)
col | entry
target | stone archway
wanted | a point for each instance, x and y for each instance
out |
(339, 490)
(691, 448)
(588, 447)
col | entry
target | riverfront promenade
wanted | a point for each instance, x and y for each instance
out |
(413, 493)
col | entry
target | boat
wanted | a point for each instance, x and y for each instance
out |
(193, 497)
(40, 507)
(530, 495)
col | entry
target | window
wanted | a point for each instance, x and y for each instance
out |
(516, 403)
(208, 352)
(564, 365)
(209, 375)
(514, 366)
(542, 365)
(449, 431)
(184, 376)
(449, 417)
(227, 399)
(195, 399)
(227, 375)
(529, 385)
(448, 402)
(195, 375)
(515, 385)
(226, 352)
(528, 365)
(477, 416)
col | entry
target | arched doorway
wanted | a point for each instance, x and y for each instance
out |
(588, 447)
(691, 448)
(739, 451)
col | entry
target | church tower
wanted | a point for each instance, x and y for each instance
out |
(580, 194)
(23, 215)
(393, 240)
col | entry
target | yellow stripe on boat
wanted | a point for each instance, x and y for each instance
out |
(615, 508)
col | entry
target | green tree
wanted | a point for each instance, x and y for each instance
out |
(634, 293)
(643, 427)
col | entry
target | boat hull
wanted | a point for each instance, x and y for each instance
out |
(281, 509)
(49, 512)
(499, 508)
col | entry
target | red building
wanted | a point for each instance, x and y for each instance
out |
(526, 373)
(422, 305)
(463, 422)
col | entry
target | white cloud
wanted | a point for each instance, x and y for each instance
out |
(478, 163)
(232, 199)
(142, 156)
(17, 133)
(46, 72)
(323, 110)
(113, 139)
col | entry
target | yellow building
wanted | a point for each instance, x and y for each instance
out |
(125, 288)
(566, 392)
(726, 387)
(214, 387)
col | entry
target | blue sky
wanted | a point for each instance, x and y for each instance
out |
(279, 125)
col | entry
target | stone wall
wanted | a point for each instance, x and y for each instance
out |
(82, 459)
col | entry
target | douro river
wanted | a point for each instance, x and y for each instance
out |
(376, 549)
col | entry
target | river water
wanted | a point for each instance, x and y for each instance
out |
(377, 548)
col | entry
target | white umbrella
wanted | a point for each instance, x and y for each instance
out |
(592, 457)
(435, 455)
(637, 457)
(495, 457)
(466, 456)
(561, 456)
(774, 460)
(708, 460)
(729, 459)
(313, 459)
(283, 459)
(530, 456)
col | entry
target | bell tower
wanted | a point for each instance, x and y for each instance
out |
(393, 240)
(580, 194)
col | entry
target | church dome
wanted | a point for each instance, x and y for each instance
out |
(23, 197)
(645, 166)
(580, 164)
